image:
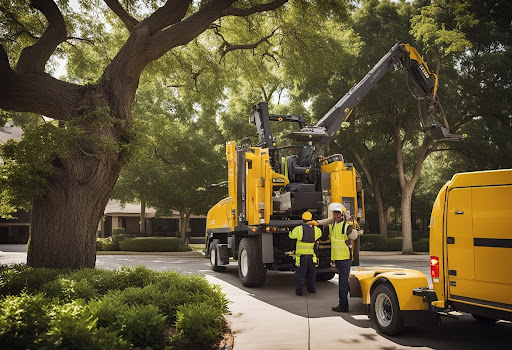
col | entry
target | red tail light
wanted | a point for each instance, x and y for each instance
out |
(434, 269)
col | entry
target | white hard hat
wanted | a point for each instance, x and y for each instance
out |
(336, 207)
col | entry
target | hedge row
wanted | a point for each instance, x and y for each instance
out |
(416, 234)
(100, 309)
(140, 244)
(376, 242)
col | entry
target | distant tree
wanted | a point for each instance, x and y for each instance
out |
(177, 156)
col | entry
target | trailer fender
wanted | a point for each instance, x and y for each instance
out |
(403, 282)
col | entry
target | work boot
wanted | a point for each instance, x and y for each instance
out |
(311, 290)
(339, 308)
(299, 292)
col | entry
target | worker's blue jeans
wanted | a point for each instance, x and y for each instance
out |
(305, 272)
(343, 267)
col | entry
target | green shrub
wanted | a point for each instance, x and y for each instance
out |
(21, 277)
(138, 276)
(143, 326)
(72, 326)
(394, 233)
(101, 309)
(378, 243)
(199, 322)
(152, 244)
(120, 237)
(106, 310)
(421, 245)
(118, 231)
(106, 244)
(24, 321)
(374, 238)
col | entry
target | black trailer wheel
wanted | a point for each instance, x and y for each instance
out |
(385, 311)
(213, 258)
(484, 319)
(251, 270)
(324, 276)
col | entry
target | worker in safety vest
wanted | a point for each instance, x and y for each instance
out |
(305, 257)
(340, 231)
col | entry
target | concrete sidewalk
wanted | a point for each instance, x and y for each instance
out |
(260, 325)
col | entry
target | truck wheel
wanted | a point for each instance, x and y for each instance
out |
(251, 270)
(385, 311)
(324, 276)
(213, 258)
(484, 319)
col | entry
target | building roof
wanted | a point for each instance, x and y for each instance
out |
(10, 131)
(114, 208)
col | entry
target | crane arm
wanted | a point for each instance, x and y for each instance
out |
(326, 128)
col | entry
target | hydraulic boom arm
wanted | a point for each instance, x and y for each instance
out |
(426, 81)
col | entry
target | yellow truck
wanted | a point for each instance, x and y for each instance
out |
(470, 257)
(270, 185)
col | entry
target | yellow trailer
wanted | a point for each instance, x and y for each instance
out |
(470, 257)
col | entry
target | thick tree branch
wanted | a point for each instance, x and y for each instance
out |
(36, 92)
(33, 58)
(183, 32)
(235, 11)
(230, 47)
(171, 13)
(127, 19)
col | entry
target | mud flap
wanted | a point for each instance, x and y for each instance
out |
(222, 254)
(354, 287)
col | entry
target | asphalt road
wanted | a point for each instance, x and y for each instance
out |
(278, 291)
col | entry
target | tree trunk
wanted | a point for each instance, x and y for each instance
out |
(65, 219)
(383, 224)
(184, 226)
(374, 182)
(407, 247)
(142, 217)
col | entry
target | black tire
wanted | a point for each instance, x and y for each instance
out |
(213, 258)
(385, 311)
(484, 319)
(325, 276)
(251, 270)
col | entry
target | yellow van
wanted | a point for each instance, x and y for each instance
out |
(470, 257)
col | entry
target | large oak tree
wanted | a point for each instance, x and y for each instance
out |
(78, 185)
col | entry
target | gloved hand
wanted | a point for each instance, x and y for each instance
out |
(360, 232)
(312, 223)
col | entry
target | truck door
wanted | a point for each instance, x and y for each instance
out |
(459, 242)
(479, 246)
(492, 231)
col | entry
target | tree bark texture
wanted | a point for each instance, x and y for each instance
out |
(184, 226)
(65, 220)
(407, 247)
(383, 222)
(143, 216)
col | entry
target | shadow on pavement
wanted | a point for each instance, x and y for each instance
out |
(464, 333)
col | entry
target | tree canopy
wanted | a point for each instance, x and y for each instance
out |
(159, 86)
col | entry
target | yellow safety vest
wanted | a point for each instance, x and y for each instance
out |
(338, 236)
(304, 248)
